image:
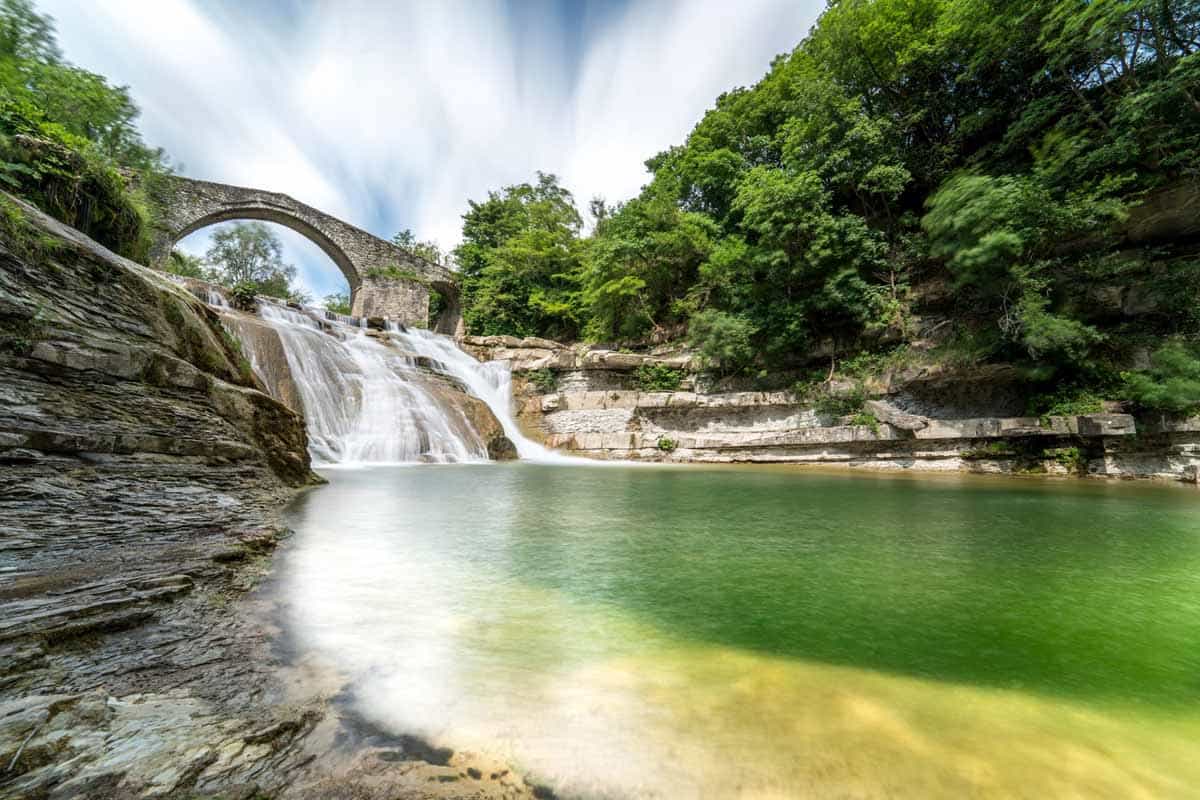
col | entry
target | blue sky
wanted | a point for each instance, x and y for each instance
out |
(391, 115)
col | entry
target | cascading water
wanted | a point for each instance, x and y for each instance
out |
(490, 381)
(365, 402)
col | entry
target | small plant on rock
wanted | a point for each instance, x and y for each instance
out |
(667, 445)
(244, 296)
(657, 378)
(544, 379)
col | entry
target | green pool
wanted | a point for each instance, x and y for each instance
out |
(743, 632)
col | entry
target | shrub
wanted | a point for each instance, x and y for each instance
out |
(544, 379)
(667, 445)
(244, 295)
(1171, 383)
(657, 378)
(839, 405)
(724, 340)
(67, 178)
(1065, 403)
(1071, 458)
(867, 420)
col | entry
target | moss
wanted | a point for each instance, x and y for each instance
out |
(1000, 449)
(25, 240)
(1071, 458)
(72, 183)
(395, 272)
(18, 334)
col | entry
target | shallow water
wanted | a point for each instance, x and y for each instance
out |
(691, 632)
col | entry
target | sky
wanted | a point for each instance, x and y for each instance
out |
(391, 115)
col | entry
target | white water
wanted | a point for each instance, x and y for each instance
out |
(490, 381)
(364, 402)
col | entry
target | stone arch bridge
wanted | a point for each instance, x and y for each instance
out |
(385, 281)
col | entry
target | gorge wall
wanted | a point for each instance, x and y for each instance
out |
(587, 401)
(141, 463)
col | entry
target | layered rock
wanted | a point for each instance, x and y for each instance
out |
(929, 417)
(142, 465)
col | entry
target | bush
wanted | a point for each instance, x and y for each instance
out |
(1172, 382)
(667, 445)
(244, 295)
(866, 420)
(67, 179)
(840, 405)
(1065, 403)
(724, 340)
(657, 378)
(544, 379)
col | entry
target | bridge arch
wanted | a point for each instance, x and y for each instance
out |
(385, 281)
(313, 234)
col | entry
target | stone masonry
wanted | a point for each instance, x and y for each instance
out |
(385, 281)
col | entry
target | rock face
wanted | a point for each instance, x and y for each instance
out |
(923, 418)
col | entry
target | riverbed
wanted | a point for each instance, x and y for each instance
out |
(693, 632)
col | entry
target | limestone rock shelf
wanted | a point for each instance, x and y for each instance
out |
(927, 418)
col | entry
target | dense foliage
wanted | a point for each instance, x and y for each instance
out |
(64, 134)
(520, 261)
(913, 167)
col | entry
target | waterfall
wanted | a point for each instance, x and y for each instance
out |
(365, 402)
(490, 381)
(367, 396)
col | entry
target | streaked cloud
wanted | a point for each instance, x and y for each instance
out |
(392, 115)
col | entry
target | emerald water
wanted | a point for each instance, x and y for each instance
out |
(691, 632)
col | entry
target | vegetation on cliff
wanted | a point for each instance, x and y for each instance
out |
(66, 136)
(949, 173)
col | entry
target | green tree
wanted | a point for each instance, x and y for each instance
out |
(250, 254)
(639, 266)
(338, 303)
(520, 261)
(185, 264)
(406, 240)
(84, 104)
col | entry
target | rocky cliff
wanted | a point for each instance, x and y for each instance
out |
(588, 401)
(142, 466)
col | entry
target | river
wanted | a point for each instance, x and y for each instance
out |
(762, 632)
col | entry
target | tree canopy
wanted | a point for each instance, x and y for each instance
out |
(909, 162)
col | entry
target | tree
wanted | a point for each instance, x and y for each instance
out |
(338, 303)
(406, 240)
(185, 264)
(83, 103)
(250, 254)
(520, 261)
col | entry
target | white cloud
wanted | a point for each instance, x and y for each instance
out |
(393, 115)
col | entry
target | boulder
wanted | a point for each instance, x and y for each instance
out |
(1107, 425)
(886, 412)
